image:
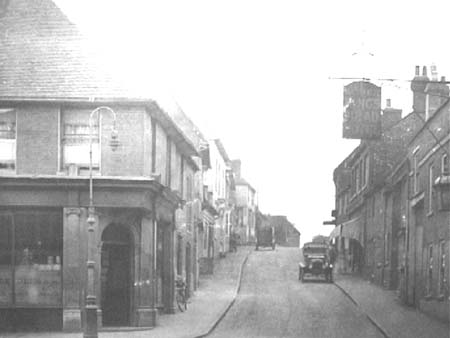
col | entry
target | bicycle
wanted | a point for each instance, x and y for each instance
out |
(180, 296)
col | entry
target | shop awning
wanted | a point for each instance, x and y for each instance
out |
(336, 232)
(352, 229)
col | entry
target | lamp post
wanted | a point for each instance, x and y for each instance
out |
(90, 330)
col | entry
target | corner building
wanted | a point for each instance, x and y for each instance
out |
(49, 93)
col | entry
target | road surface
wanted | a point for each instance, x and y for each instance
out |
(272, 302)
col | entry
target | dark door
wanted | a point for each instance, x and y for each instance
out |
(188, 269)
(116, 281)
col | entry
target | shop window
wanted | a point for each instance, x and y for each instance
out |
(6, 273)
(31, 259)
(442, 275)
(430, 270)
(76, 134)
(179, 256)
(7, 140)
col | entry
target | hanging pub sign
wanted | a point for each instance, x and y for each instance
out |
(362, 111)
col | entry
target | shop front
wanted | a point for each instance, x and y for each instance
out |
(31, 257)
(43, 254)
(348, 239)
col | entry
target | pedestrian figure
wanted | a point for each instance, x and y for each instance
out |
(233, 242)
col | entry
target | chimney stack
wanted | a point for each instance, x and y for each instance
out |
(390, 116)
(436, 93)
(418, 85)
(236, 164)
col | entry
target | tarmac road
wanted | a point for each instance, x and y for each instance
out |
(273, 303)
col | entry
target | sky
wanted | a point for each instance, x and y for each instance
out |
(263, 77)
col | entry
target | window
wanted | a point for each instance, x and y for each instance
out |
(168, 161)
(442, 279)
(76, 135)
(31, 258)
(358, 177)
(7, 140)
(205, 235)
(353, 183)
(416, 174)
(182, 178)
(363, 172)
(430, 189)
(445, 165)
(366, 166)
(430, 270)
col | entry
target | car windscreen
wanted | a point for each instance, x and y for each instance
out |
(314, 250)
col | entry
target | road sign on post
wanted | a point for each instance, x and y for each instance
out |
(362, 111)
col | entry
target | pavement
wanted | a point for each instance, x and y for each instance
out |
(384, 310)
(210, 302)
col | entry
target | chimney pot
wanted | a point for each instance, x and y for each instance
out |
(424, 71)
(388, 103)
(442, 78)
(417, 70)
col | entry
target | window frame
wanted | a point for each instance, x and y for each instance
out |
(415, 174)
(445, 165)
(442, 287)
(81, 168)
(430, 188)
(429, 283)
(13, 170)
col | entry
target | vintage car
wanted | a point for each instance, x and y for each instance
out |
(265, 237)
(318, 259)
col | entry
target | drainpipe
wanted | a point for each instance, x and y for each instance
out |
(154, 252)
(383, 271)
(407, 231)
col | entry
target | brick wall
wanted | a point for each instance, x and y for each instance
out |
(37, 140)
(128, 159)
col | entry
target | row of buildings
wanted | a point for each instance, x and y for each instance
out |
(393, 201)
(101, 191)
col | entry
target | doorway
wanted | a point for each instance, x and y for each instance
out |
(188, 268)
(116, 272)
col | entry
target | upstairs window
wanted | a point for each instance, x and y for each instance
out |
(168, 161)
(7, 140)
(430, 188)
(76, 135)
(416, 174)
(445, 165)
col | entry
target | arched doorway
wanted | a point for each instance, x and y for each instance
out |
(116, 273)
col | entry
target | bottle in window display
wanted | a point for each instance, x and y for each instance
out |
(27, 257)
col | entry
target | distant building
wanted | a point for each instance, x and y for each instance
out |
(286, 234)
(245, 206)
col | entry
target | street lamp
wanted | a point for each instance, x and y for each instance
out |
(91, 301)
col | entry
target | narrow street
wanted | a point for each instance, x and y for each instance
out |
(274, 303)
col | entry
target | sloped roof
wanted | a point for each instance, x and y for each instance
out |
(242, 181)
(43, 55)
(222, 150)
